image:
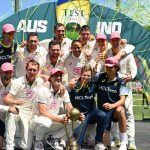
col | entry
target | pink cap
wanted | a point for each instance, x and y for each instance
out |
(8, 28)
(7, 67)
(56, 70)
(111, 61)
(101, 36)
(115, 35)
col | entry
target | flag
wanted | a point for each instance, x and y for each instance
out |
(62, 1)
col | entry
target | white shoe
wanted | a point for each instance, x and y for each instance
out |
(100, 146)
(123, 146)
(38, 145)
(115, 143)
(55, 143)
(131, 145)
(62, 143)
(57, 146)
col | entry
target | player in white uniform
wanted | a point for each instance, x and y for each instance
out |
(31, 51)
(46, 109)
(6, 80)
(21, 95)
(87, 43)
(59, 31)
(99, 51)
(51, 60)
(75, 61)
(128, 71)
(98, 54)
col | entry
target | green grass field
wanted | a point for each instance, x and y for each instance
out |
(137, 107)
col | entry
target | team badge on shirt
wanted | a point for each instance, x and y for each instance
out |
(53, 104)
(30, 93)
(77, 70)
(116, 83)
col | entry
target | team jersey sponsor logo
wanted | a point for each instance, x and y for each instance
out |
(84, 97)
(108, 89)
(5, 57)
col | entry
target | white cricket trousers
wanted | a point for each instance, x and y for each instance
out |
(130, 117)
(42, 125)
(130, 120)
(11, 121)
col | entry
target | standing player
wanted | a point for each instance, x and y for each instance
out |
(51, 60)
(31, 51)
(75, 61)
(87, 44)
(127, 71)
(59, 31)
(99, 51)
(7, 44)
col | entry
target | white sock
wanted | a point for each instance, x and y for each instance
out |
(123, 137)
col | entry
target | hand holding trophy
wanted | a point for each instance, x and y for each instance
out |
(74, 115)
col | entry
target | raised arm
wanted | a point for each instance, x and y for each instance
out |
(128, 49)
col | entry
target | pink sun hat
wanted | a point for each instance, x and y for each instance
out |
(115, 35)
(111, 61)
(56, 70)
(101, 36)
(7, 67)
(8, 28)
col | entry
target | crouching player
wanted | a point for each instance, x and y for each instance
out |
(47, 118)
(82, 97)
(111, 94)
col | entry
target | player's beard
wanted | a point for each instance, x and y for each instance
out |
(6, 78)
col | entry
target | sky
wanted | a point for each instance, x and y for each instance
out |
(6, 6)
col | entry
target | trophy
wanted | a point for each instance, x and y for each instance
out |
(72, 144)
